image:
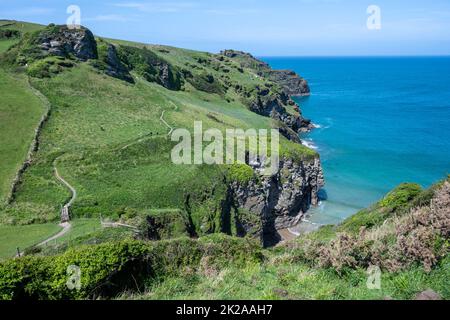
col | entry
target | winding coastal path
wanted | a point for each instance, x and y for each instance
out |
(142, 138)
(65, 218)
(72, 189)
(66, 227)
(167, 125)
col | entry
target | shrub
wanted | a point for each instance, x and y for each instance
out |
(150, 66)
(401, 196)
(48, 67)
(9, 34)
(111, 268)
(207, 83)
(394, 244)
(396, 202)
(241, 173)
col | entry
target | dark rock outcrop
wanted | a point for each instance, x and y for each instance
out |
(273, 103)
(110, 63)
(281, 200)
(64, 42)
(291, 82)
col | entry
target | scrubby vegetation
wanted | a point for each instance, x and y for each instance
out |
(21, 237)
(110, 268)
(330, 263)
(392, 235)
(48, 67)
(102, 129)
(11, 32)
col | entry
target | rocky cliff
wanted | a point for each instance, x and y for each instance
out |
(292, 83)
(274, 100)
(281, 200)
(61, 41)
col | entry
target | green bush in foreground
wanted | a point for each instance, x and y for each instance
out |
(111, 268)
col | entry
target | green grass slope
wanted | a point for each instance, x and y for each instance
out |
(21, 27)
(22, 237)
(20, 113)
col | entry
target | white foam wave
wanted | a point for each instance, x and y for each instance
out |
(310, 144)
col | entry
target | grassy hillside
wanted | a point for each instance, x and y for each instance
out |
(21, 27)
(106, 133)
(13, 237)
(20, 111)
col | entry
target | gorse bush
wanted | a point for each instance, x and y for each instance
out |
(417, 237)
(401, 196)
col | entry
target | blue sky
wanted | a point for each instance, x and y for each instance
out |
(276, 27)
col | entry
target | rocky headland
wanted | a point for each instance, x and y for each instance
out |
(279, 201)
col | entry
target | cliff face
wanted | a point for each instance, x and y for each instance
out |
(63, 42)
(282, 199)
(292, 83)
(274, 101)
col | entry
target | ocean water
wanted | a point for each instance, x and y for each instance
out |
(382, 121)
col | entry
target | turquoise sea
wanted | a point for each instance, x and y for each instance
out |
(382, 121)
